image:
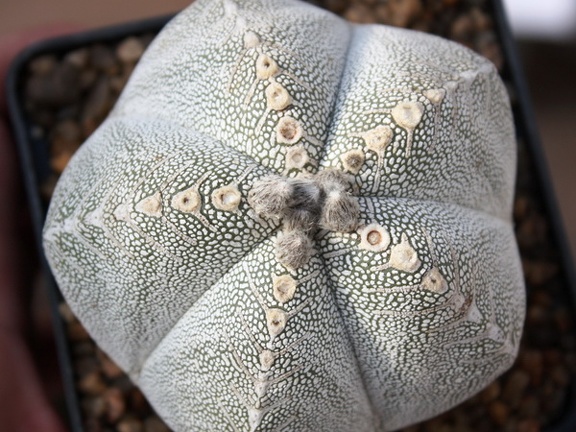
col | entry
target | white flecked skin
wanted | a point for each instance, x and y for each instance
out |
(153, 242)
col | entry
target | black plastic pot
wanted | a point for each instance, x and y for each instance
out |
(35, 165)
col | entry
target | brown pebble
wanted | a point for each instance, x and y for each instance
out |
(130, 50)
(359, 13)
(43, 65)
(538, 272)
(154, 424)
(480, 19)
(490, 393)
(109, 368)
(434, 424)
(532, 232)
(87, 78)
(336, 6)
(514, 387)
(490, 49)
(115, 404)
(66, 313)
(59, 144)
(92, 384)
(404, 12)
(529, 425)
(59, 161)
(563, 319)
(547, 389)
(529, 406)
(137, 401)
(93, 406)
(560, 375)
(522, 205)
(78, 58)
(553, 399)
(103, 59)
(536, 315)
(99, 101)
(552, 357)
(42, 116)
(76, 332)
(68, 130)
(85, 365)
(93, 425)
(59, 87)
(118, 82)
(532, 362)
(382, 13)
(462, 29)
(83, 349)
(462, 421)
(498, 412)
(129, 424)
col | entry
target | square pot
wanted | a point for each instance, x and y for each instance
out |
(537, 392)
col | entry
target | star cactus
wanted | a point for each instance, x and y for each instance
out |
(290, 222)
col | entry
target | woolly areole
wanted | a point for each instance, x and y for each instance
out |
(292, 223)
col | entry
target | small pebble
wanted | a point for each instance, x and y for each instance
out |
(66, 313)
(99, 101)
(529, 406)
(60, 161)
(498, 412)
(359, 13)
(561, 376)
(154, 424)
(77, 332)
(109, 368)
(43, 65)
(54, 89)
(404, 12)
(539, 272)
(529, 425)
(78, 58)
(115, 404)
(103, 59)
(130, 50)
(93, 406)
(137, 401)
(86, 365)
(532, 362)
(92, 384)
(462, 29)
(514, 387)
(490, 393)
(129, 424)
(83, 349)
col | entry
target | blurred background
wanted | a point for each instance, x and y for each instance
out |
(545, 30)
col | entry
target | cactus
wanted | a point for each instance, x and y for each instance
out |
(292, 223)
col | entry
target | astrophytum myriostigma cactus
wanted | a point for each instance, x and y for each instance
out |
(292, 223)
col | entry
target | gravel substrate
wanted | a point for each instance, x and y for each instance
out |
(66, 98)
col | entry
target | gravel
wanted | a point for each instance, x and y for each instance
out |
(68, 97)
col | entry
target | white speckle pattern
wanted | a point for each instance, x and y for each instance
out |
(155, 244)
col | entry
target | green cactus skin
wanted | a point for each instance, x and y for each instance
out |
(158, 251)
